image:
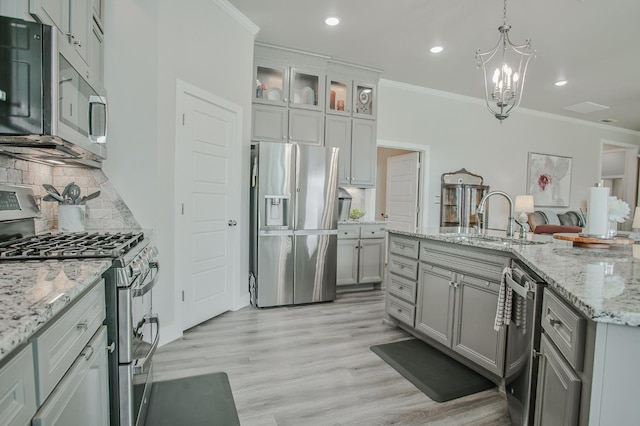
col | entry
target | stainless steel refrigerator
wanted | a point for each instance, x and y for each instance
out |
(294, 229)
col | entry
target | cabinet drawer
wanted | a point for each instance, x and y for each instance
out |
(402, 288)
(18, 389)
(401, 310)
(57, 347)
(82, 396)
(348, 232)
(402, 266)
(372, 231)
(565, 328)
(403, 246)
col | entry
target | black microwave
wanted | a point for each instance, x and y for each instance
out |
(48, 111)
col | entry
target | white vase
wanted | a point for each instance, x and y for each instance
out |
(71, 218)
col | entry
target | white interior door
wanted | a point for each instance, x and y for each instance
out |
(205, 225)
(402, 191)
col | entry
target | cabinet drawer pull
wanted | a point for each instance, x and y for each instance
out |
(537, 354)
(84, 326)
(552, 321)
(399, 310)
(400, 288)
(87, 353)
(111, 347)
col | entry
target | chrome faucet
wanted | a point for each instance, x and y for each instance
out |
(509, 199)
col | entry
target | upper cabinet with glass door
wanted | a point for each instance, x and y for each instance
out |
(306, 89)
(364, 100)
(271, 84)
(338, 96)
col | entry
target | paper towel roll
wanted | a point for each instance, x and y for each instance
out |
(598, 211)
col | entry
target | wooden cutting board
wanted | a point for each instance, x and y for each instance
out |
(591, 242)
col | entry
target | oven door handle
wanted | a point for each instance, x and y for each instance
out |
(517, 287)
(142, 364)
(143, 289)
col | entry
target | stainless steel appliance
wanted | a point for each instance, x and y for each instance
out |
(523, 342)
(132, 327)
(344, 204)
(294, 227)
(48, 111)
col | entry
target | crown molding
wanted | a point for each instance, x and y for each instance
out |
(238, 16)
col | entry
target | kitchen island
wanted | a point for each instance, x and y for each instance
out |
(603, 285)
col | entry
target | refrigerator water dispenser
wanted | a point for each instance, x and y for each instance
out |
(276, 210)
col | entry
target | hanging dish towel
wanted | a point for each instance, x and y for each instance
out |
(520, 315)
(503, 311)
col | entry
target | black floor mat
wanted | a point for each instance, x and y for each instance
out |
(440, 377)
(190, 401)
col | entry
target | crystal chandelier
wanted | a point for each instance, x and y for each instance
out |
(503, 87)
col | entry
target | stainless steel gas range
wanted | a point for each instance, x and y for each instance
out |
(132, 326)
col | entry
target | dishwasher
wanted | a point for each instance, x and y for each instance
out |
(523, 343)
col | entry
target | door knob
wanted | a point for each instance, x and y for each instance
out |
(232, 222)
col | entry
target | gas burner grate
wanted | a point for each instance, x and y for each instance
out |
(74, 245)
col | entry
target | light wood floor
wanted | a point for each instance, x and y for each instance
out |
(311, 365)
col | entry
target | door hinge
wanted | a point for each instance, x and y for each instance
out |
(182, 208)
(183, 295)
(183, 119)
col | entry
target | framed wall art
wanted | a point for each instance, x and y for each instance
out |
(549, 179)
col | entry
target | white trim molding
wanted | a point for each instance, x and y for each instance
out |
(238, 16)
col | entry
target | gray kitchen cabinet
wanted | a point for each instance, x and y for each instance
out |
(81, 397)
(18, 388)
(364, 100)
(318, 107)
(306, 127)
(347, 263)
(268, 123)
(74, 327)
(81, 31)
(338, 96)
(558, 390)
(363, 153)
(564, 372)
(286, 105)
(435, 303)
(457, 301)
(474, 315)
(401, 279)
(356, 140)
(360, 254)
(371, 260)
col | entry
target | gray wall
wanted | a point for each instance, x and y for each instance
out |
(150, 45)
(461, 133)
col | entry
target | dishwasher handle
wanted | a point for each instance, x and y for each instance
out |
(522, 291)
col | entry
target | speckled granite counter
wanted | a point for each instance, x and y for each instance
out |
(32, 292)
(362, 222)
(604, 284)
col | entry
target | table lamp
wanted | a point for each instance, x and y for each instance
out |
(524, 205)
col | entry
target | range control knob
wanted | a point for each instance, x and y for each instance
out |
(134, 268)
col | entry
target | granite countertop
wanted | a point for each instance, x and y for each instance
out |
(362, 222)
(604, 284)
(32, 292)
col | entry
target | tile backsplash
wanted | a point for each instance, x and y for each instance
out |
(108, 211)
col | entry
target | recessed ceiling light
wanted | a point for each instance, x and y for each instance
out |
(560, 83)
(436, 49)
(332, 21)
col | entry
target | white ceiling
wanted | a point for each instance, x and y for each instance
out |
(594, 44)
